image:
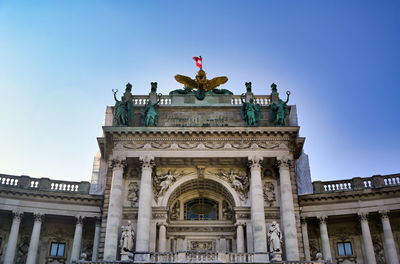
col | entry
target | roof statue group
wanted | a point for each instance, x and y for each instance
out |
(199, 87)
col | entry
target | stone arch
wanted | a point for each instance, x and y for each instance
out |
(190, 183)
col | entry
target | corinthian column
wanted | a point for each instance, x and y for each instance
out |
(390, 246)
(367, 240)
(288, 219)
(34, 243)
(144, 212)
(114, 210)
(257, 205)
(13, 238)
(76, 244)
(326, 248)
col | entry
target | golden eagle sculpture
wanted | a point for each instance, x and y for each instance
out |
(201, 85)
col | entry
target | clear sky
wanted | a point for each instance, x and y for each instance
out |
(59, 61)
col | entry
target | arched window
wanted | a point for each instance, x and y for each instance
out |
(201, 209)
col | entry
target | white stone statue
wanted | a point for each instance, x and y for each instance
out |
(127, 237)
(274, 238)
(167, 181)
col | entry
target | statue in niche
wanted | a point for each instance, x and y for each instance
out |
(227, 212)
(123, 109)
(133, 193)
(175, 211)
(274, 238)
(238, 181)
(251, 112)
(127, 237)
(279, 108)
(269, 193)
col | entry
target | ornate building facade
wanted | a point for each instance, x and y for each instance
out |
(200, 176)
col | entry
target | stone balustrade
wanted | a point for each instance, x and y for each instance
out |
(199, 257)
(258, 99)
(43, 184)
(376, 181)
(166, 100)
(143, 99)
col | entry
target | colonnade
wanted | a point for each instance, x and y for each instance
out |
(257, 212)
(38, 218)
(369, 254)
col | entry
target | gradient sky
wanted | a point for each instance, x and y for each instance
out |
(59, 61)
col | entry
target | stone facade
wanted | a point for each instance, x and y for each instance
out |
(201, 186)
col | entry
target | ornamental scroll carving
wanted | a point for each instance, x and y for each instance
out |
(211, 145)
(237, 179)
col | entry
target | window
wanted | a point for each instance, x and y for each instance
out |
(344, 249)
(201, 209)
(57, 249)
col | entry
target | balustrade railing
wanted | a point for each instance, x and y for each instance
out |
(197, 257)
(141, 100)
(377, 181)
(258, 99)
(43, 184)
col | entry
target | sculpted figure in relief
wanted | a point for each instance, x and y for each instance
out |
(238, 181)
(175, 211)
(127, 237)
(274, 237)
(133, 193)
(269, 193)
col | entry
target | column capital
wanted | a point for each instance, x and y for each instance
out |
(147, 162)
(97, 221)
(118, 162)
(303, 219)
(240, 224)
(384, 214)
(18, 215)
(322, 219)
(255, 161)
(162, 224)
(363, 216)
(79, 220)
(284, 162)
(38, 217)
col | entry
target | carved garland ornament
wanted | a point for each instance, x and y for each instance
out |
(202, 145)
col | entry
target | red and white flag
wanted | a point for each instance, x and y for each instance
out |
(198, 61)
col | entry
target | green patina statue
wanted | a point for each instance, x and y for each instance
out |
(251, 112)
(279, 108)
(150, 113)
(123, 110)
(185, 90)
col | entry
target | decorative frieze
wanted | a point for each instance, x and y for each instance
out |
(217, 144)
(201, 229)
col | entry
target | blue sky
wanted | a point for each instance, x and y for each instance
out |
(59, 61)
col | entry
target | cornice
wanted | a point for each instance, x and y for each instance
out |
(203, 131)
(349, 196)
(54, 196)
